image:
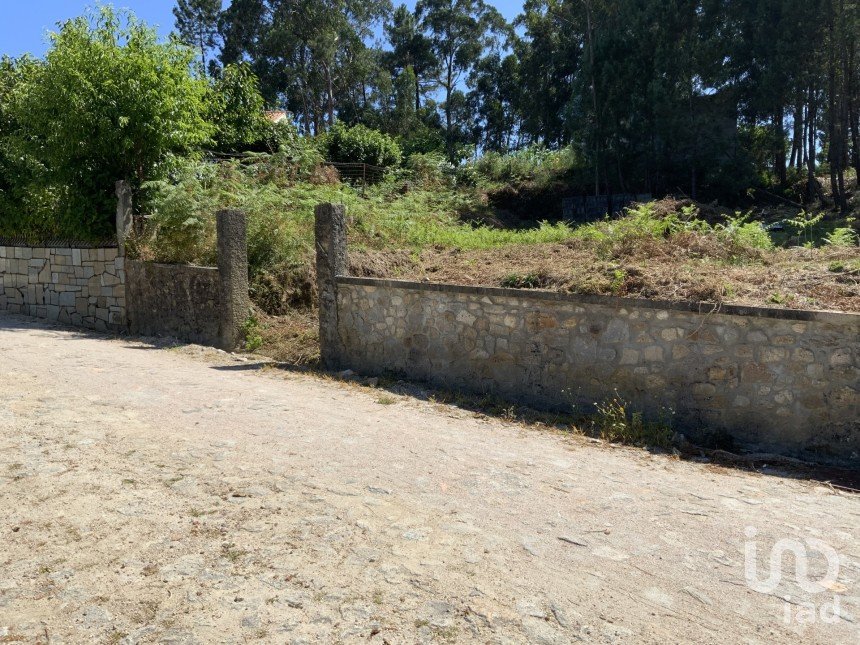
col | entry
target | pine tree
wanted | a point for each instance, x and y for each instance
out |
(197, 24)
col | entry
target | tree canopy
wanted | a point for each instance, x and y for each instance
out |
(655, 94)
(108, 102)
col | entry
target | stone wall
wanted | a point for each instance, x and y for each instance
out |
(174, 300)
(205, 305)
(779, 380)
(77, 286)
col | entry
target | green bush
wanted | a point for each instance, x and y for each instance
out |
(109, 102)
(534, 163)
(615, 422)
(236, 110)
(430, 169)
(360, 144)
(744, 234)
(27, 204)
(842, 237)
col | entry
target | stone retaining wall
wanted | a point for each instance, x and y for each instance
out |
(776, 380)
(76, 286)
(174, 300)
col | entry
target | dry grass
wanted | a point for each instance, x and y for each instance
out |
(292, 338)
(795, 278)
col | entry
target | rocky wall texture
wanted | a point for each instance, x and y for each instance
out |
(174, 300)
(81, 287)
(778, 380)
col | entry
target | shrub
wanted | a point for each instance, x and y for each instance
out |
(27, 204)
(234, 106)
(614, 422)
(534, 163)
(431, 169)
(744, 234)
(360, 144)
(842, 237)
(109, 102)
(804, 223)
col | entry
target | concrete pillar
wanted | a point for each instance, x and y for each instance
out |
(124, 214)
(330, 234)
(233, 276)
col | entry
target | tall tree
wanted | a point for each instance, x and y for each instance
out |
(411, 49)
(460, 32)
(310, 55)
(197, 24)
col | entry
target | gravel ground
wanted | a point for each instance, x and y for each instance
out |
(181, 496)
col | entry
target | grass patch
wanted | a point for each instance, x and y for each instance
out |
(615, 422)
(386, 400)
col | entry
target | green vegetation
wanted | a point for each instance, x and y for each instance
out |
(253, 340)
(416, 211)
(236, 110)
(109, 102)
(614, 421)
(360, 144)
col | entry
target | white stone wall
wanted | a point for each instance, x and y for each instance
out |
(81, 287)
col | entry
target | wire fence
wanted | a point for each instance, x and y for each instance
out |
(358, 174)
(20, 241)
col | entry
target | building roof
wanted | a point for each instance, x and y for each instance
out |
(276, 116)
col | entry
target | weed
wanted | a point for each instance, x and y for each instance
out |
(534, 280)
(777, 298)
(232, 553)
(197, 513)
(619, 277)
(614, 422)
(386, 400)
(251, 333)
(804, 223)
(115, 636)
(842, 237)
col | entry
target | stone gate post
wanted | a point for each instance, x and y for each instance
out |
(330, 234)
(233, 276)
(124, 214)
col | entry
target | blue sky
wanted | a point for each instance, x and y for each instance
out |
(25, 22)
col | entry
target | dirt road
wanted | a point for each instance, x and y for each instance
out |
(177, 496)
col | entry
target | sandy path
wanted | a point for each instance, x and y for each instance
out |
(152, 495)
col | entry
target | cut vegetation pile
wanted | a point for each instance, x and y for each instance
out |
(428, 227)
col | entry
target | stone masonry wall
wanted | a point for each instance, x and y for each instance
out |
(779, 380)
(174, 300)
(81, 287)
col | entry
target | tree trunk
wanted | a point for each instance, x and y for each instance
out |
(797, 134)
(853, 107)
(779, 156)
(449, 89)
(203, 51)
(329, 93)
(590, 39)
(813, 189)
(836, 135)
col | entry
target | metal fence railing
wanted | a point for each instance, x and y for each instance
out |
(19, 241)
(358, 174)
